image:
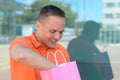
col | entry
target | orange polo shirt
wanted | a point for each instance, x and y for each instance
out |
(21, 71)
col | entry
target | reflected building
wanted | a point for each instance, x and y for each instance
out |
(8, 10)
(1, 20)
(111, 21)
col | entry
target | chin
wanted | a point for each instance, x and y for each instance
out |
(51, 46)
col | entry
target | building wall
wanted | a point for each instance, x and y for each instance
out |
(111, 13)
(111, 21)
(24, 29)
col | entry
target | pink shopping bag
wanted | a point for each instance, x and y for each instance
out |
(66, 71)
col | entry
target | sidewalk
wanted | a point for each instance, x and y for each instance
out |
(4, 62)
(5, 74)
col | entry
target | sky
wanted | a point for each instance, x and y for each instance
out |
(92, 10)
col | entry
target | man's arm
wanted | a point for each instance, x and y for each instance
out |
(23, 54)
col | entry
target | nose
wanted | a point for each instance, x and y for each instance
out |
(57, 36)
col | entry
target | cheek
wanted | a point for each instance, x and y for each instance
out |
(61, 36)
(43, 31)
(47, 34)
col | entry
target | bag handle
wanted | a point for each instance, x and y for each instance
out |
(55, 57)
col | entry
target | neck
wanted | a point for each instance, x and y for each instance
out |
(37, 38)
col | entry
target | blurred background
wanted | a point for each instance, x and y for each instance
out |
(17, 18)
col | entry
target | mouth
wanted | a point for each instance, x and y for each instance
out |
(53, 42)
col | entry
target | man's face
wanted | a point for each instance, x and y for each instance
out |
(50, 30)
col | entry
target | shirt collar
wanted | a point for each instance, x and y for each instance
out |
(34, 40)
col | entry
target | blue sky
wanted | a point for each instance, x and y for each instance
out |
(93, 8)
(25, 1)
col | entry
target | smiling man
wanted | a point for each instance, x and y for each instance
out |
(28, 54)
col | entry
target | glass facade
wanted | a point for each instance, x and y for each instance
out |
(110, 5)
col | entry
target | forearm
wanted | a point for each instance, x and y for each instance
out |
(30, 57)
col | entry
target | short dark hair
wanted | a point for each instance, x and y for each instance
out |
(90, 27)
(91, 31)
(50, 10)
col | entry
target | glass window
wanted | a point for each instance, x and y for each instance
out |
(119, 4)
(110, 5)
(118, 15)
(109, 15)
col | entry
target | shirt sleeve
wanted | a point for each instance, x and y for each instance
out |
(21, 40)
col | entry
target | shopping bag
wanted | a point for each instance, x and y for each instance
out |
(106, 69)
(65, 71)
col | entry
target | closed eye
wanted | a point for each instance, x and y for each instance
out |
(61, 32)
(52, 31)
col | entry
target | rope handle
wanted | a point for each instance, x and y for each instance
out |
(54, 54)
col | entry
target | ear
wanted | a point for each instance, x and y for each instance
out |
(37, 25)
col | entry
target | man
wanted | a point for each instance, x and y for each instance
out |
(83, 50)
(28, 55)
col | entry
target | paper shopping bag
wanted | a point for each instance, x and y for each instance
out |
(66, 71)
(106, 69)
